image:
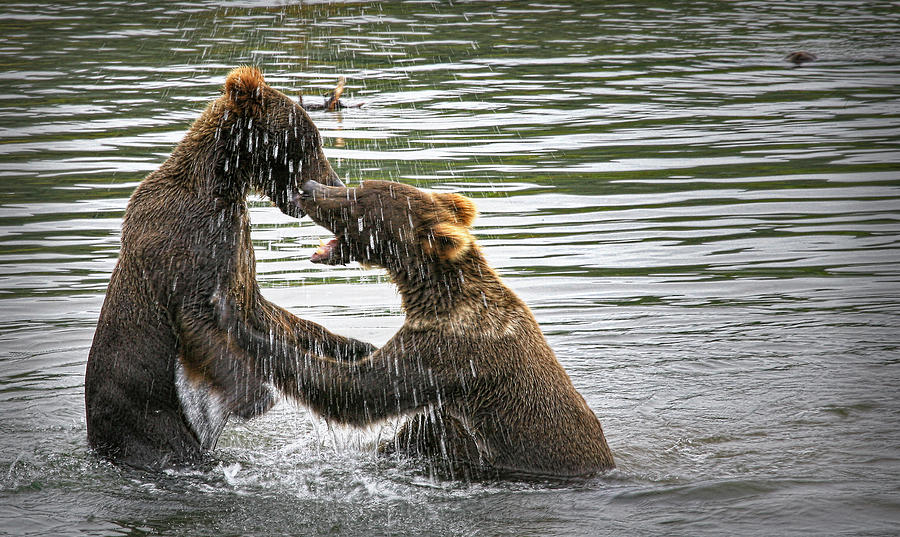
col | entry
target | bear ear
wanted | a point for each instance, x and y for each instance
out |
(462, 208)
(243, 89)
(448, 241)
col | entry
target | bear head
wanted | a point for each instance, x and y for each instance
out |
(264, 140)
(390, 224)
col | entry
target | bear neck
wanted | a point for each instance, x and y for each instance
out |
(437, 289)
(200, 162)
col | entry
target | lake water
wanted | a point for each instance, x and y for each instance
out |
(709, 237)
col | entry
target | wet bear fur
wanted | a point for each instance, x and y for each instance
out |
(161, 377)
(484, 392)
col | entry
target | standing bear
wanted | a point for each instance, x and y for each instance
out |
(161, 377)
(484, 393)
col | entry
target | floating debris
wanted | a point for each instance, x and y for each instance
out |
(332, 100)
(800, 57)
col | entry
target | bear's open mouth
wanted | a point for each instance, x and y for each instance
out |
(328, 253)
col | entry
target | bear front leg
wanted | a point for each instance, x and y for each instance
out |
(397, 379)
(272, 324)
(449, 447)
(207, 353)
(258, 399)
(433, 434)
(314, 337)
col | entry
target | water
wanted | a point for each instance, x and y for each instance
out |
(707, 235)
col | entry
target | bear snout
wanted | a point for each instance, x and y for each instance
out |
(312, 189)
(311, 192)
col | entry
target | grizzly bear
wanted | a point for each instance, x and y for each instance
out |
(485, 393)
(161, 377)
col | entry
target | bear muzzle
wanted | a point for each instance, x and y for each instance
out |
(337, 250)
(295, 204)
(314, 189)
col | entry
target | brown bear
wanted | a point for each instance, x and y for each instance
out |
(161, 378)
(485, 393)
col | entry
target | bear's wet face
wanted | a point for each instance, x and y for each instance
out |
(389, 224)
(269, 141)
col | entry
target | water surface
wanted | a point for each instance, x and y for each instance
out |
(708, 236)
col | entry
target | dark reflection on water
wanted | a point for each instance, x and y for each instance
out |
(708, 236)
